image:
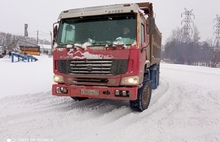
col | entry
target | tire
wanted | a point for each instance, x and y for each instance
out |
(143, 98)
(78, 98)
(158, 74)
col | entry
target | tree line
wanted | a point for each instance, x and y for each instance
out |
(187, 49)
(11, 42)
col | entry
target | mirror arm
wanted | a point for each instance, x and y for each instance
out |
(144, 46)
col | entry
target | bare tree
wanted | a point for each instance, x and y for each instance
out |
(192, 52)
(196, 36)
(11, 41)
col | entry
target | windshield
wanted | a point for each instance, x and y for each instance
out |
(98, 30)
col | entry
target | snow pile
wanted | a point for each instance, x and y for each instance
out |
(25, 77)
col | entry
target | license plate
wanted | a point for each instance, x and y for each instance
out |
(90, 92)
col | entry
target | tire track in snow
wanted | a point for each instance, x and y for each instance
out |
(40, 112)
(152, 118)
(103, 132)
(182, 110)
(70, 112)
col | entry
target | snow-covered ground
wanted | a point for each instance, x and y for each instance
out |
(184, 108)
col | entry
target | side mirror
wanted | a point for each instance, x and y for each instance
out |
(55, 31)
(151, 25)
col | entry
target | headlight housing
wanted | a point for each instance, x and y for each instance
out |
(130, 80)
(58, 78)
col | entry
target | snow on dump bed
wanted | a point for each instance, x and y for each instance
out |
(185, 107)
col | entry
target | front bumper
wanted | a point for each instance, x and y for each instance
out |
(115, 93)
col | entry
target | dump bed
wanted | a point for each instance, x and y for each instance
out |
(155, 34)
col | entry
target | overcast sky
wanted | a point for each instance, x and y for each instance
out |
(41, 14)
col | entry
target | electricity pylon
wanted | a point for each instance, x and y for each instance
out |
(187, 23)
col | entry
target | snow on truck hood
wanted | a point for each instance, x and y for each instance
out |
(94, 53)
(81, 55)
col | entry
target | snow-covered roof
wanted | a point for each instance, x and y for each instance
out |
(45, 46)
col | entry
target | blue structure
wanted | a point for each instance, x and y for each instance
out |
(22, 57)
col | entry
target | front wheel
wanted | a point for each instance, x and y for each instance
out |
(143, 99)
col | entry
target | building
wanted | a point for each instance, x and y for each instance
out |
(28, 48)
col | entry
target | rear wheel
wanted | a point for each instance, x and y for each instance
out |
(78, 98)
(143, 99)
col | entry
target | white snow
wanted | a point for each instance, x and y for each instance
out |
(184, 108)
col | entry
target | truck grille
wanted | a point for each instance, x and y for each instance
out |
(90, 66)
(93, 66)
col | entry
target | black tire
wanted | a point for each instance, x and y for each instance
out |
(158, 75)
(144, 96)
(78, 98)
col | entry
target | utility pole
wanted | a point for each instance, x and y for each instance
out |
(187, 22)
(25, 35)
(37, 36)
(217, 31)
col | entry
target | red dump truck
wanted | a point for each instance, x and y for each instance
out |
(107, 52)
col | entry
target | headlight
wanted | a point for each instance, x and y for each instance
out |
(58, 78)
(131, 80)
